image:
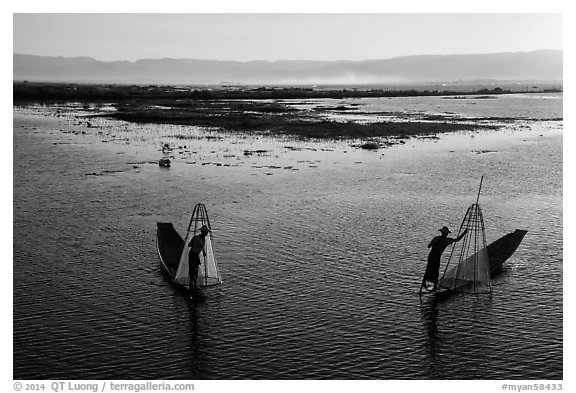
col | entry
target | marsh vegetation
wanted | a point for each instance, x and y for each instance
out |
(268, 110)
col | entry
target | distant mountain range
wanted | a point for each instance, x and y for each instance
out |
(540, 65)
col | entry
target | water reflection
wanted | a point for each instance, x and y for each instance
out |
(458, 328)
(429, 317)
(194, 341)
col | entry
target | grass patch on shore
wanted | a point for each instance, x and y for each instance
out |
(254, 110)
(277, 118)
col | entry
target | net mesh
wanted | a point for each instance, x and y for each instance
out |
(468, 268)
(208, 272)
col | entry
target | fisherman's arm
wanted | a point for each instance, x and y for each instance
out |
(462, 235)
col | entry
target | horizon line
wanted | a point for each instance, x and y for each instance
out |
(287, 60)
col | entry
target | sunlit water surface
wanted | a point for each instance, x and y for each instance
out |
(322, 247)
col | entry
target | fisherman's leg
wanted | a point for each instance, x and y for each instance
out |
(429, 273)
(194, 270)
(436, 272)
(192, 277)
(190, 272)
(432, 270)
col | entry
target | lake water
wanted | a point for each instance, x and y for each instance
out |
(322, 248)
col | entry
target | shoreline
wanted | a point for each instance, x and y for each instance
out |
(24, 91)
(259, 154)
(270, 111)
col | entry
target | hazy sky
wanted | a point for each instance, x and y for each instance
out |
(278, 36)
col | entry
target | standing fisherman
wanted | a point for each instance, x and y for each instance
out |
(438, 244)
(196, 245)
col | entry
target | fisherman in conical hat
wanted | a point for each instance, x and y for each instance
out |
(438, 245)
(196, 246)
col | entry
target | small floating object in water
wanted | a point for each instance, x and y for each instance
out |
(164, 162)
(370, 146)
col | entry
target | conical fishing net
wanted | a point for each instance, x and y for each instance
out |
(208, 272)
(468, 268)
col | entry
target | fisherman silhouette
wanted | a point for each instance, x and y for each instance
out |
(438, 245)
(196, 246)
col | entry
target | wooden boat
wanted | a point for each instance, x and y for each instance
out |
(170, 246)
(499, 252)
(472, 264)
(502, 249)
(173, 251)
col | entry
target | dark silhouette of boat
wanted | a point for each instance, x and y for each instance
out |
(173, 252)
(474, 263)
(500, 250)
(169, 244)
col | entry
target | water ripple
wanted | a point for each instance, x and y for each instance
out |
(321, 272)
